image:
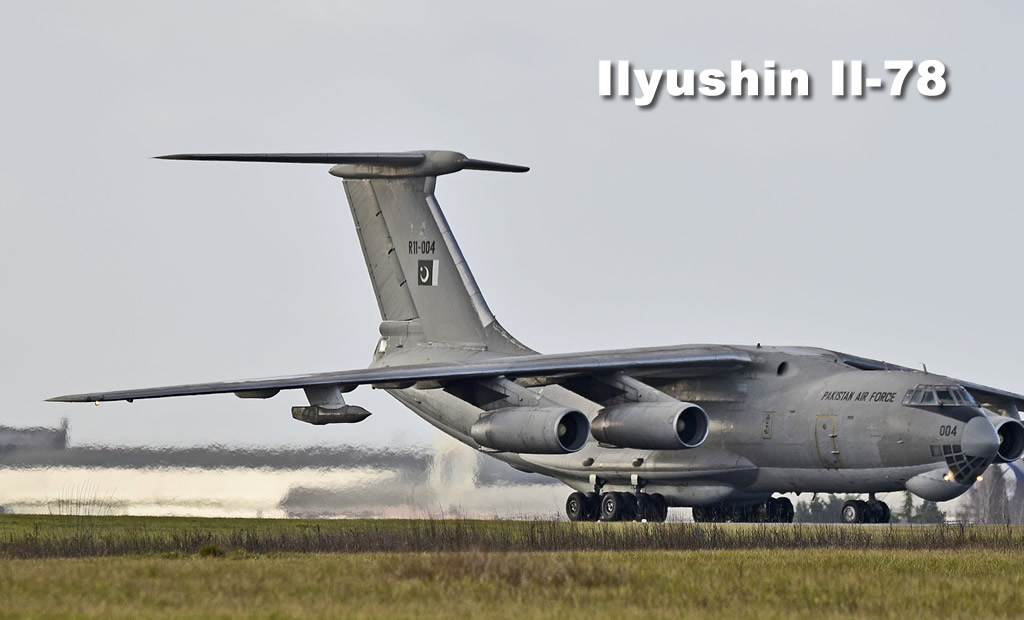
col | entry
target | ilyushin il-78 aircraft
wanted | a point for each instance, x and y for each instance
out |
(718, 428)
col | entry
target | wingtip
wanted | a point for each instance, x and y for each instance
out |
(72, 398)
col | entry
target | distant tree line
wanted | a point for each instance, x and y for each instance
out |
(994, 499)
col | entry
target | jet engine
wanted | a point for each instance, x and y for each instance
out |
(532, 430)
(652, 426)
(1011, 438)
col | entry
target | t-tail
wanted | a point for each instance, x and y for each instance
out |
(425, 290)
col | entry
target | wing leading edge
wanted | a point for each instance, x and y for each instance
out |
(695, 360)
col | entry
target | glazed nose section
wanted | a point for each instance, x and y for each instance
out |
(980, 438)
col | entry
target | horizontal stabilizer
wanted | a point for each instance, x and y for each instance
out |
(492, 166)
(373, 159)
(366, 165)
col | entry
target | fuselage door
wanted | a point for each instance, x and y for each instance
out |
(825, 435)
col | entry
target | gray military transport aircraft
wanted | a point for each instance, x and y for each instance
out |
(714, 427)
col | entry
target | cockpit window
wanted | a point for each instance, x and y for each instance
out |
(944, 395)
(968, 399)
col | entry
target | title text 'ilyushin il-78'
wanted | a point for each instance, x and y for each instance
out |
(718, 428)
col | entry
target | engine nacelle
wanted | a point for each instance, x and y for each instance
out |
(532, 430)
(652, 426)
(1011, 437)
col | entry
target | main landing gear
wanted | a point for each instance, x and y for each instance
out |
(775, 510)
(871, 511)
(616, 506)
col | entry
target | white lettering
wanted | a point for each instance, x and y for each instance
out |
(623, 73)
(803, 83)
(648, 87)
(673, 86)
(739, 76)
(604, 78)
(712, 82)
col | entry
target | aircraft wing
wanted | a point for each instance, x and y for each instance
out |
(995, 398)
(693, 360)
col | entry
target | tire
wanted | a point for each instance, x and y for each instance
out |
(788, 510)
(577, 507)
(853, 511)
(661, 507)
(877, 512)
(652, 508)
(781, 510)
(593, 506)
(631, 507)
(612, 506)
(886, 513)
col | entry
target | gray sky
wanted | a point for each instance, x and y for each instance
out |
(886, 228)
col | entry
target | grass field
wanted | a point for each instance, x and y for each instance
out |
(128, 566)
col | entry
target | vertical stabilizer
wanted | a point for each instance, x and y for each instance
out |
(425, 291)
(424, 287)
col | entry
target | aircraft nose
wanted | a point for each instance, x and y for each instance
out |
(980, 438)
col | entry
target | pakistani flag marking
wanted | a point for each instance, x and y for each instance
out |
(426, 273)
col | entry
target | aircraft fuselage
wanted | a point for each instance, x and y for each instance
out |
(797, 420)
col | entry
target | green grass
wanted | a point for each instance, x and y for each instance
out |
(819, 583)
(157, 566)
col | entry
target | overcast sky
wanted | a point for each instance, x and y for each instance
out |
(885, 228)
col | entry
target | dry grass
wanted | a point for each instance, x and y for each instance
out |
(818, 583)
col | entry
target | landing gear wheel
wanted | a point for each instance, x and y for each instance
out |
(758, 513)
(577, 507)
(854, 511)
(781, 510)
(631, 509)
(593, 506)
(646, 510)
(613, 506)
(877, 512)
(661, 507)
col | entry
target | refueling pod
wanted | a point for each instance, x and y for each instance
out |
(652, 426)
(532, 430)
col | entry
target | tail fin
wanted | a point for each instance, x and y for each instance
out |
(426, 293)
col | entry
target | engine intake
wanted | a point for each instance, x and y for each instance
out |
(532, 430)
(652, 426)
(1011, 439)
